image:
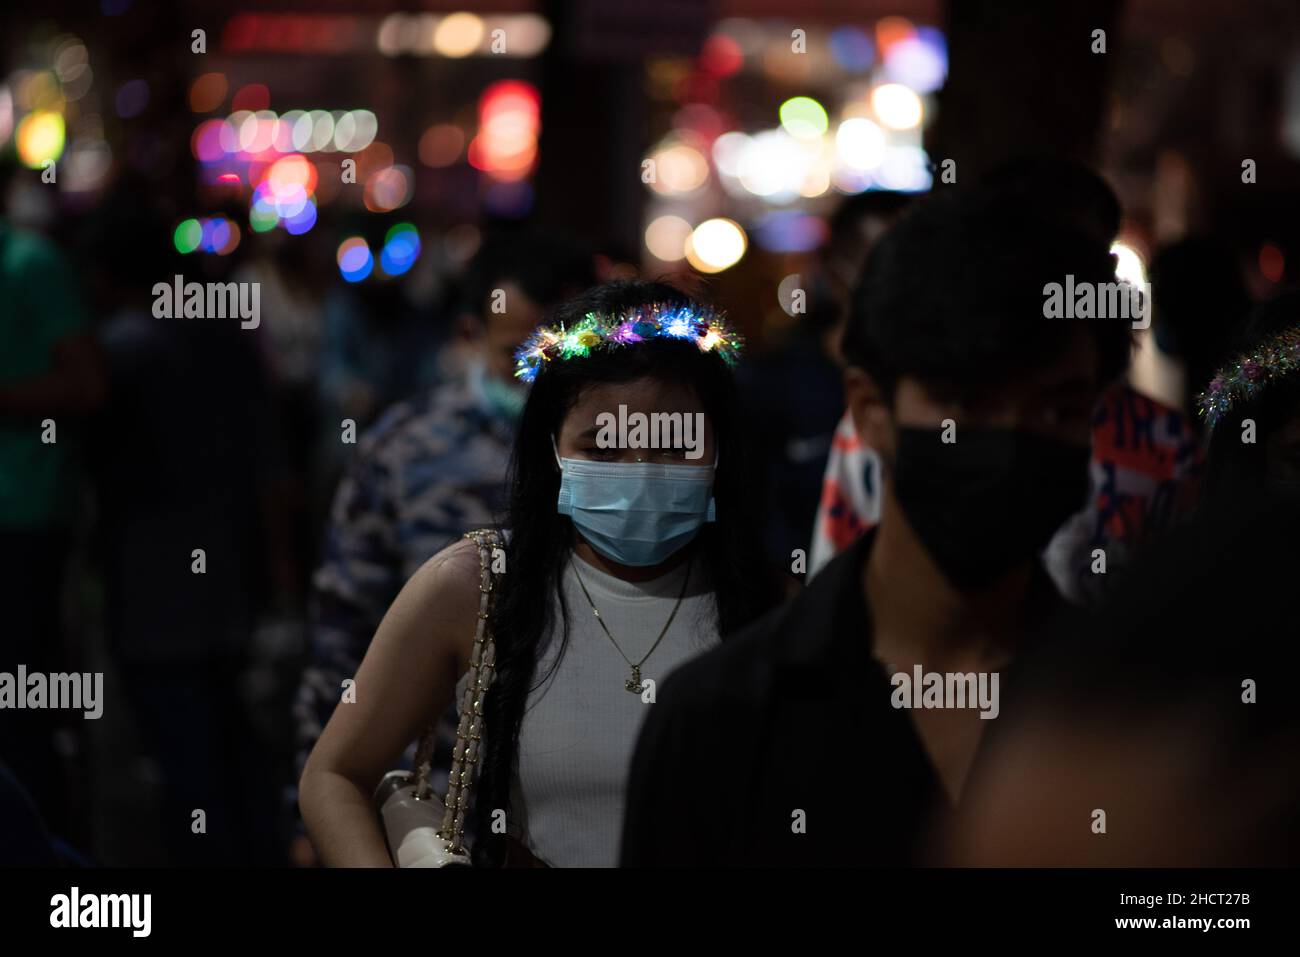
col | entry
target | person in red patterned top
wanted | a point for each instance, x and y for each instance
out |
(1146, 464)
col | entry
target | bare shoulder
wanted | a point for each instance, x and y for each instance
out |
(457, 564)
(443, 596)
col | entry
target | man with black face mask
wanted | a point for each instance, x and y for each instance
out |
(836, 729)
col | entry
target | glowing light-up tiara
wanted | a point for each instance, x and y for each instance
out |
(1243, 379)
(703, 326)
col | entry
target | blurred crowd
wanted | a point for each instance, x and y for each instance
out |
(218, 518)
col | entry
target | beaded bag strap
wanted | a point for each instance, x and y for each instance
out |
(482, 669)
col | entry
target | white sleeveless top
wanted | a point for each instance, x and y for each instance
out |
(581, 723)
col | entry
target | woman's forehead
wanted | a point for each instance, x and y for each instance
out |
(636, 395)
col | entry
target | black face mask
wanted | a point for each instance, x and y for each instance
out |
(989, 501)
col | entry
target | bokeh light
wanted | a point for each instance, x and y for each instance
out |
(262, 217)
(790, 231)
(86, 166)
(905, 169)
(721, 55)
(508, 199)
(803, 118)
(919, 62)
(715, 245)
(852, 49)
(208, 144)
(458, 35)
(321, 135)
(896, 106)
(666, 237)
(291, 174)
(1272, 264)
(680, 168)
(132, 97)
(529, 33)
(509, 121)
(891, 30)
(71, 62)
(290, 201)
(6, 113)
(401, 249)
(208, 92)
(727, 151)
(302, 220)
(217, 234)
(39, 91)
(785, 293)
(388, 189)
(253, 97)
(187, 236)
(355, 130)
(354, 259)
(441, 145)
(70, 59)
(775, 165)
(40, 138)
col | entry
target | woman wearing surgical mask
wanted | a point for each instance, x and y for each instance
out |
(629, 551)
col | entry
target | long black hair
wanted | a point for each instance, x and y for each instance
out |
(529, 591)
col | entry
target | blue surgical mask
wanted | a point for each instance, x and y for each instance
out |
(636, 513)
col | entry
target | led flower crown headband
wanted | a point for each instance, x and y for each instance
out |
(595, 331)
(1248, 375)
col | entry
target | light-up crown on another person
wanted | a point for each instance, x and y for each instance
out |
(1243, 379)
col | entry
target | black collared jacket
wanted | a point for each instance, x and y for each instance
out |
(780, 747)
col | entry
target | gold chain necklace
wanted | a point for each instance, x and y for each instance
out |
(634, 683)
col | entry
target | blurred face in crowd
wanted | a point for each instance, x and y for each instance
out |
(509, 316)
(843, 264)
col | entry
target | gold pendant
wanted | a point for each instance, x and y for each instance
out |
(633, 684)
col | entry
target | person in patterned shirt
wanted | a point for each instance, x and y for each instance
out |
(428, 470)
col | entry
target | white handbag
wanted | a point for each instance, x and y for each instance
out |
(423, 830)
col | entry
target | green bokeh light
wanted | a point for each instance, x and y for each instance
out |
(187, 236)
(262, 220)
(803, 118)
(400, 228)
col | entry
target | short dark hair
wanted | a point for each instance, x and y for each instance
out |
(845, 221)
(1061, 188)
(954, 294)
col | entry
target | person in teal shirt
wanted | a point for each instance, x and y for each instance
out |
(48, 368)
(50, 377)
